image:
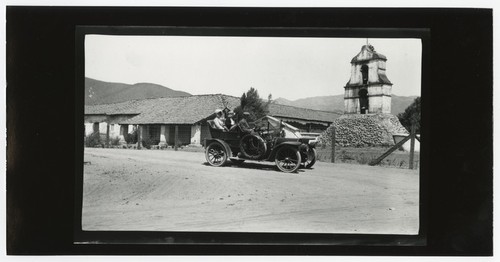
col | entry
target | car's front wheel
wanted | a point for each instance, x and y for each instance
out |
(216, 154)
(288, 159)
(311, 158)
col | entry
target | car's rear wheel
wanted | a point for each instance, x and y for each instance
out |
(311, 158)
(288, 159)
(216, 154)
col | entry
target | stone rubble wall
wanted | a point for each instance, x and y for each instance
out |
(356, 130)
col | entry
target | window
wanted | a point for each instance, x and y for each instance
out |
(364, 73)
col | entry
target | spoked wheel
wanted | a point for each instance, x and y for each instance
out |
(311, 158)
(288, 159)
(216, 154)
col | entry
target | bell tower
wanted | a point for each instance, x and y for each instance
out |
(368, 90)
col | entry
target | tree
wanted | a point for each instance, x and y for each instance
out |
(252, 103)
(411, 115)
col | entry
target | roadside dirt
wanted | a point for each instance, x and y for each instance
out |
(177, 191)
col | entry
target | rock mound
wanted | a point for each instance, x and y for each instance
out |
(356, 130)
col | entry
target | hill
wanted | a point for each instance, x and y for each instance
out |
(100, 92)
(336, 103)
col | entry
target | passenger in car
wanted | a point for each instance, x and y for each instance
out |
(218, 120)
(229, 122)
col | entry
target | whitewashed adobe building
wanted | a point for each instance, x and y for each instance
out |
(156, 119)
(368, 90)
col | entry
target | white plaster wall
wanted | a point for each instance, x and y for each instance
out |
(357, 76)
(380, 64)
(122, 133)
(351, 92)
(372, 72)
(114, 130)
(407, 146)
(386, 104)
(379, 90)
(103, 127)
(163, 137)
(195, 134)
(375, 104)
(89, 128)
(131, 129)
(351, 105)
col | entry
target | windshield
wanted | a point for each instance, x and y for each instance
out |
(271, 124)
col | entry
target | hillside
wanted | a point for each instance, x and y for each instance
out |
(99, 92)
(336, 103)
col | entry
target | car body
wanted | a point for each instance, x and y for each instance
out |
(272, 140)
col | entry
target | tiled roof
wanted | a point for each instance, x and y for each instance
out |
(124, 108)
(192, 109)
(278, 110)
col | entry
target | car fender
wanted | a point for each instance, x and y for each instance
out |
(295, 144)
(222, 142)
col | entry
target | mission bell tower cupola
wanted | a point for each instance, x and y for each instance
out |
(368, 90)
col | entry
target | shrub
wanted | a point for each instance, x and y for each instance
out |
(115, 141)
(147, 142)
(411, 115)
(131, 138)
(93, 140)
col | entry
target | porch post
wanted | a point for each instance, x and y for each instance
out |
(176, 136)
(107, 134)
(139, 136)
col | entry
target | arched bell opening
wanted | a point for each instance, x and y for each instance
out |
(364, 73)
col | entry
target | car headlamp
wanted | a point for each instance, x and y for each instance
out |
(312, 143)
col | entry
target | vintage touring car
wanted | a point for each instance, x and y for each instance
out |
(272, 140)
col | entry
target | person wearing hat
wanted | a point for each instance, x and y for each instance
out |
(218, 120)
(229, 122)
(243, 123)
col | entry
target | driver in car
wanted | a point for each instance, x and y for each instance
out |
(243, 123)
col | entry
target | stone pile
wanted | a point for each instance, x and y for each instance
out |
(355, 130)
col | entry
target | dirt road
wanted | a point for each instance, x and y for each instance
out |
(177, 191)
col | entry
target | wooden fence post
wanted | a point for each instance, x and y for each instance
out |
(388, 152)
(333, 144)
(412, 145)
(176, 137)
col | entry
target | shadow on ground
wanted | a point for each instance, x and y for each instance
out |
(253, 165)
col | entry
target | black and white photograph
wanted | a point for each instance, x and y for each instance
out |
(190, 133)
(289, 132)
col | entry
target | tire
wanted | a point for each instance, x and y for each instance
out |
(311, 158)
(288, 159)
(253, 147)
(216, 154)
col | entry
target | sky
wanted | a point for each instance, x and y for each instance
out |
(286, 67)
